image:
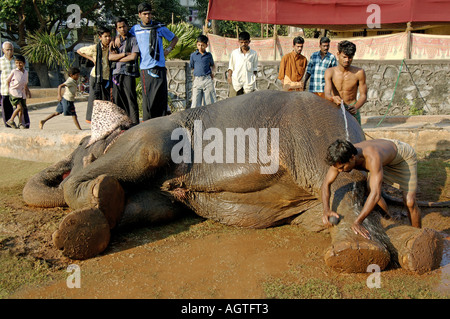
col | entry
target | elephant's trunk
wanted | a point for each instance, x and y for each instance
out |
(43, 189)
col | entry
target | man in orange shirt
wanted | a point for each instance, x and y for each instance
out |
(292, 67)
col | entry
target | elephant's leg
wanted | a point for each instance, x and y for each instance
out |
(417, 250)
(99, 187)
(82, 234)
(150, 206)
(350, 252)
(104, 193)
(311, 219)
(85, 232)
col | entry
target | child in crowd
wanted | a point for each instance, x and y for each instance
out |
(18, 91)
(100, 78)
(66, 104)
(202, 63)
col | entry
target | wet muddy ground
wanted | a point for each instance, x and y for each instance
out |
(197, 258)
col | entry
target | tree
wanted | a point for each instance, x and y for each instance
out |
(229, 28)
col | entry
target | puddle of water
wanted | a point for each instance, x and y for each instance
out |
(444, 286)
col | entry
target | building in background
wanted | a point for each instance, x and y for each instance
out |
(193, 12)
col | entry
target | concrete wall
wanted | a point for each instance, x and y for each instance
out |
(432, 78)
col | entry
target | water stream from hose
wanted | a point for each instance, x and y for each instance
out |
(345, 120)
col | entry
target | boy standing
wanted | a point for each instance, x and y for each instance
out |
(343, 82)
(149, 35)
(18, 91)
(66, 104)
(243, 67)
(100, 77)
(125, 70)
(202, 63)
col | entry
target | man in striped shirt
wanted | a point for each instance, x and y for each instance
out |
(319, 62)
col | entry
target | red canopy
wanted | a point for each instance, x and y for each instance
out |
(341, 14)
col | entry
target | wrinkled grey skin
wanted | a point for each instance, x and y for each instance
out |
(137, 177)
(45, 189)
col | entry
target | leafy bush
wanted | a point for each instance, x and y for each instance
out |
(187, 40)
(47, 48)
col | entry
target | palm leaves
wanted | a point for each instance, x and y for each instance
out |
(187, 40)
(47, 48)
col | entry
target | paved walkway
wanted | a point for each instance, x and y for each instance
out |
(60, 122)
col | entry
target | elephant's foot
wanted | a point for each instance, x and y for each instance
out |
(354, 256)
(82, 234)
(109, 197)
(418, 250)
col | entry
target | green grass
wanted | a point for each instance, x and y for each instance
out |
(17, 271)
(354, 287)
(433, 172)
(311, 289)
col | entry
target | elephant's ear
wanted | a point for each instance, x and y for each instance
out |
(106, 117)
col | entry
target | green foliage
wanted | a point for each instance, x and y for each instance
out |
(413, 108)
(163, 10)
(47, 48)
(229, 29)
(9, 9)
(187, 40)
(202, 7)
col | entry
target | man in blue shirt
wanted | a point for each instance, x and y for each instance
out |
(203, 64)
(149, 36)
(319, 62)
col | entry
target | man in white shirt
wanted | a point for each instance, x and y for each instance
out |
(243, 67)
(7, 64)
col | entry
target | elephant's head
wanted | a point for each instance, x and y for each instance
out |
(108, 122)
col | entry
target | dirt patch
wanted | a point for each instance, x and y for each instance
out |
(197, 258)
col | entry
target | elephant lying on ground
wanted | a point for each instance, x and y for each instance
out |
(255, 160)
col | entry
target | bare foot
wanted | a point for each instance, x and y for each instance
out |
(41, 124)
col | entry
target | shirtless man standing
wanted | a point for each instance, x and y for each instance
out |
(389, 161)
(342, 81)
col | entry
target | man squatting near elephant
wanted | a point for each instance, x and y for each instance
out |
(125, 70)
(343, 81)
(100, 77)
(149, 36)
(389, 161)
